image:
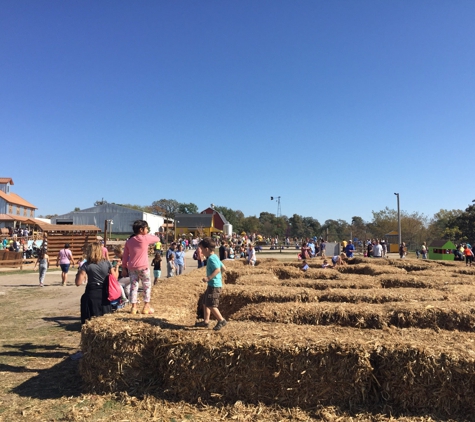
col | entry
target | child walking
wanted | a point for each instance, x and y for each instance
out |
(213, 277)
(43, 261)
(157, 267)
(135, 264)
(171, 266)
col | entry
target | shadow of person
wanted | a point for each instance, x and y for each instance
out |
(61, 380)
(69, 323)
(50, 382)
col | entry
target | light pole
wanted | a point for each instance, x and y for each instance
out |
(399, 239)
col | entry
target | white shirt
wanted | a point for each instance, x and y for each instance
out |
(377, 250)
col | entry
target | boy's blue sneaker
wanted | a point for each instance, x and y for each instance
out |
(202, 324)
(220, 325)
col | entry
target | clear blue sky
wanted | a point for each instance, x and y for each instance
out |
(332, 105)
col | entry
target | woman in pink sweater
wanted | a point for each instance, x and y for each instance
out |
(135, 263)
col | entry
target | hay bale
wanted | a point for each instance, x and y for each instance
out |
(409, 370)
(412, 265)
(370, 269)
(432, 315)
(195, 366)
(268, 279)
(300, 365)
(341, 282)
(422, 379)
(369, 261)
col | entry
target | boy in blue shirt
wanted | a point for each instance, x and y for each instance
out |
(215, 284)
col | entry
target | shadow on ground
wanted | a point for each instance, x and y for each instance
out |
(69, 323)
(54, 382)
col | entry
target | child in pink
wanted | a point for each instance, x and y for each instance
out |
(135, 263)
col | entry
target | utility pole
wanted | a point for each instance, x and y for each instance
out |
(398, 220)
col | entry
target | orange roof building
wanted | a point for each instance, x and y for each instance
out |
(13, 208)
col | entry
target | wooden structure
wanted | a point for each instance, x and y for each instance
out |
(78, 236)
(196, 225)
(442, 249)
(11, 259)
(393, 239)
(219, 220)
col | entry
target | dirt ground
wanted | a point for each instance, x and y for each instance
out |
(39, 336)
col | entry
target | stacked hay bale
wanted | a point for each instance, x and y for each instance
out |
(398, 334)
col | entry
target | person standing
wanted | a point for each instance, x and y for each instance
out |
(105, 251)
(223, 251)
(402, 250)
(135, 263)
(251, 255)
(349, 249)
(385, 248)
(424, 250)
(214, 279)
(180, 263)
(157, 267)
(171, 250)
(377, 250)
(468, 255)
(158, 247)
(323, 246)
(43, 262)
(65, 260)
(200, 258)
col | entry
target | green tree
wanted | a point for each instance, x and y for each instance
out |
(297, 227)
(337, 230)
(190, 208)
(359, 228)
(312, 226)
(135, 207)
(166, 208)
(250, 224)
(234, 217)
(414, 227)
(465, 223)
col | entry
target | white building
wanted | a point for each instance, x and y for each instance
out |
(122, 218)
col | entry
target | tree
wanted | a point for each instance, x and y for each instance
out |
(100, 202)
(190, 208)
(297, 227)
(312, 226)
(234, 217)
(465, 222)
(359, 228)
(134, 207)
(413, 226)
(166, 208)
(77, 209)
(250, 224)
(337, 230)
(444, 225)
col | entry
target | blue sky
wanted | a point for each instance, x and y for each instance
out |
(331, 105)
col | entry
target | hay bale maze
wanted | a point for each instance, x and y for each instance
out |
(390, 336)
